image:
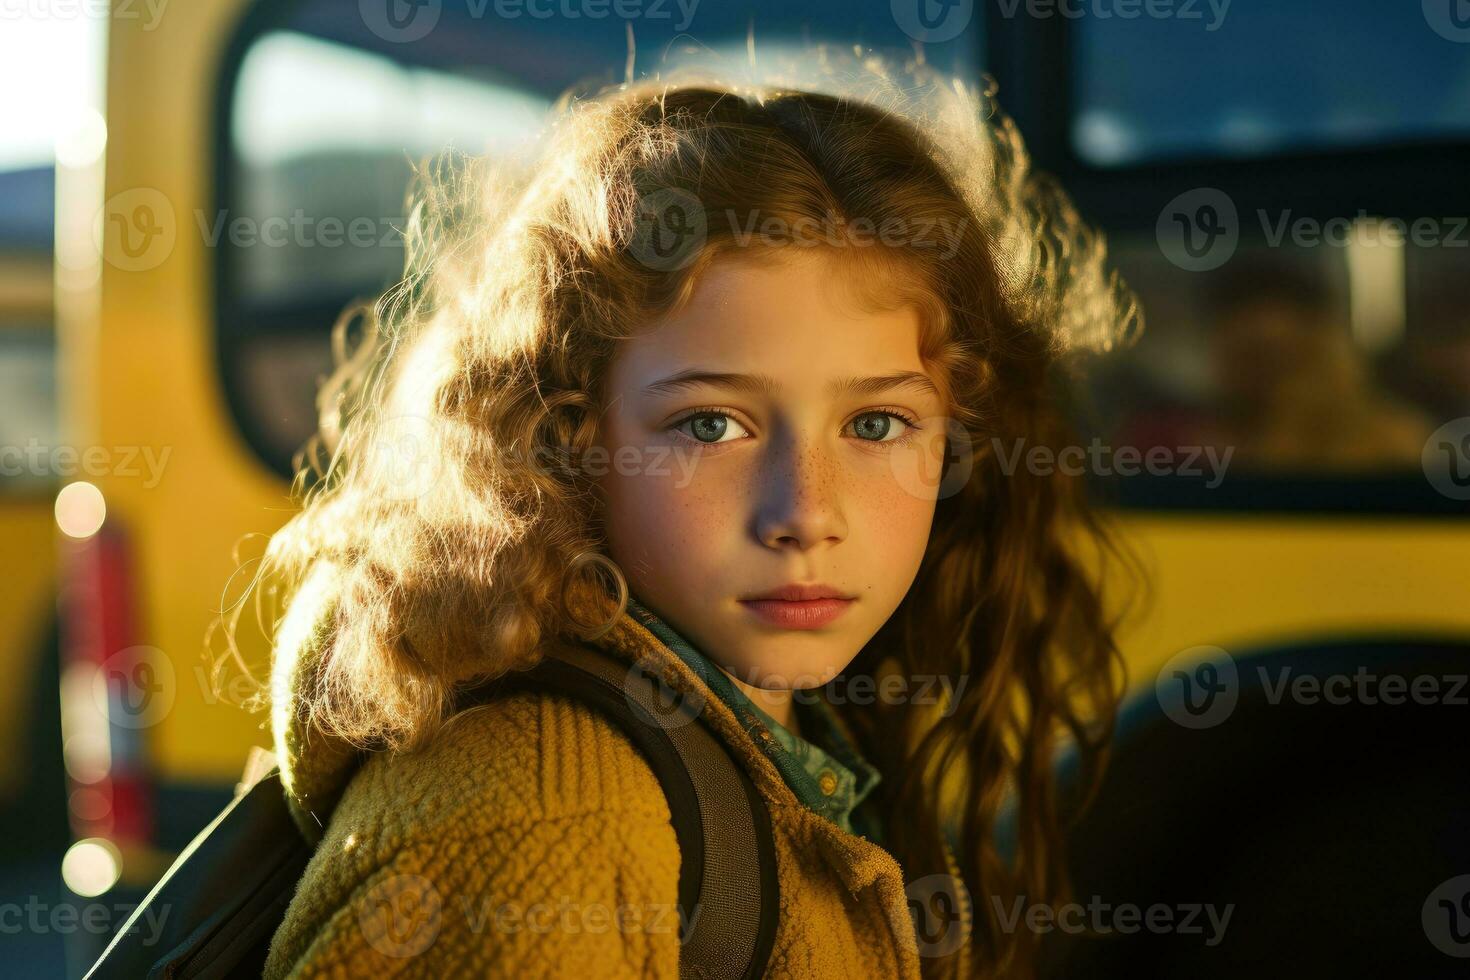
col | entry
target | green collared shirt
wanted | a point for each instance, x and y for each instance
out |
(825, 771)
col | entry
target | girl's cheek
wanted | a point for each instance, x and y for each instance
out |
(702, 502)
(888, 503)
(895, 514)
(672, 501)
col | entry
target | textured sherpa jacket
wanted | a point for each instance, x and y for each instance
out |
(531, 839)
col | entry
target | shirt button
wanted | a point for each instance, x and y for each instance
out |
(828, 782)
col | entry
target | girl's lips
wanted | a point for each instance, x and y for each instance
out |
(807, 614)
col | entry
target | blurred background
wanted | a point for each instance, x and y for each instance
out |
(191, 192)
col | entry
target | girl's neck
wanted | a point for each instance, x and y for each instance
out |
(777, 704)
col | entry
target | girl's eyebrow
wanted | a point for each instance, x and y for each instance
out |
(765, 384)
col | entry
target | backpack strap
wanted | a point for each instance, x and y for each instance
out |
(214, 911)
(728, 903)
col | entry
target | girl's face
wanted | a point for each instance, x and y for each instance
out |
(772, 433)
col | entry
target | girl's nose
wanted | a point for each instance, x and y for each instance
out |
(799, 503)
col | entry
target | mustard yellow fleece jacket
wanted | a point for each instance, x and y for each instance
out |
(531, 839)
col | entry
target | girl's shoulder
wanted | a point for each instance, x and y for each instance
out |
(514, 802)
(524, 757)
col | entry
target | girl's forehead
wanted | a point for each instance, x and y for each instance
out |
(768, 304)
(837, 280)
(801, 318)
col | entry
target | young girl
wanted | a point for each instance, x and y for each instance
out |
(730, 382)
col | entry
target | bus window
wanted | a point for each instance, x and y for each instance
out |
(326, 136)
(1334, 361)
(1357, 73)
(28, 420)
(28, 423)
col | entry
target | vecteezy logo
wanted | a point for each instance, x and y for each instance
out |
(932, 21)
(670, 227)
(402, 457)
(927, 476)
(400, 916)
(135, 230)
(658, 701)
(135, 687)
(1198, 687)
(936, 903)
(1446, 459)
(1446, 917)
(1450, 19)
(400, 21)
(1199, 229)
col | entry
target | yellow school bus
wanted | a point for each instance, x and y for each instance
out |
(200, 343)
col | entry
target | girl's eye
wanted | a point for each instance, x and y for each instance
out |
(881, 426)
(711, 427)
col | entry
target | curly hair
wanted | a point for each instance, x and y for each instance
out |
(433, 537)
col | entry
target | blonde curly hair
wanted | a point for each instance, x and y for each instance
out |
(441, 505)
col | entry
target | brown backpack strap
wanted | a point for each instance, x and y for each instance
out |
(729, 899)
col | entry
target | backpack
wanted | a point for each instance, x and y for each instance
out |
(227, 893)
